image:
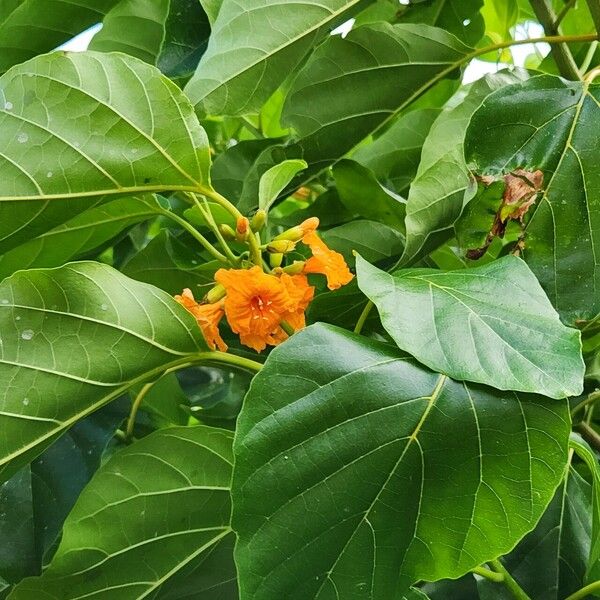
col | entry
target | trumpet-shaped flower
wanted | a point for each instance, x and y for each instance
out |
(326, 262)
(208, 317)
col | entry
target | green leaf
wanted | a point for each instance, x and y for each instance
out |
(332, 104)
(562, 242)
(274, 180)
(84, 332)
(172, 265)
(30, 27)
(169, 494)
(211, 8)
(375, 241)
(590, 458)
(460, 17)
(492, 324)
(135, 27)
(253, 48)
(271, 156)
(348, 466)
(442, 186)
(18, 556)
(363, 195)
(394, 156)
(550, 562)
(187, 31)
(79, 127)
(79, 236)
(231, 168)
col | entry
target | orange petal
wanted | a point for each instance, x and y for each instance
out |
(326, 262)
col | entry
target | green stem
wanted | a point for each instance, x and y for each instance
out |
(195, 234)
(587, 61)
(210, 220)
(287, 328)
(586, 591)
(218, 358)
(511, 585)
(363, 317)
(589, 434)
(135, 407)
(491, 575)
(231, 360)
(562, 55)
(255, 253)
(593, 397)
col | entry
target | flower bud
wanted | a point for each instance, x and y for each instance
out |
(215, 294)
(296, 233)
(227, 231)
(280, 246)
(295, 268)
(242, 227)
(309, 225)
(275, 259)
(258, 220)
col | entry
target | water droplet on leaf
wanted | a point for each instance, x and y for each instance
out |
(22, 138)
(27, 334)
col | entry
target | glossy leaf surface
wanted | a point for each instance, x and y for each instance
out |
(380, 511)
(492, 324)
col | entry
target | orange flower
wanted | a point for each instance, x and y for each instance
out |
(207, 316)
(327, 262)
(301, 294)
(255, 304)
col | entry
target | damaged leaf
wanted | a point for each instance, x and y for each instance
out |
(488, 215)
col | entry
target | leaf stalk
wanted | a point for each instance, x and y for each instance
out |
(510, 583)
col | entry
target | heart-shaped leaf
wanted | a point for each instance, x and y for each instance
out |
(76, 128)
(169, 492)
(492, 324)
(84, 332)
(350, 459)
(550, 124)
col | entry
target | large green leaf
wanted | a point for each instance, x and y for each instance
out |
(552, 125)
(73, 339)
(80, 235)
(254, 46)
(169, 495)
(350, 86)
(350, 464)
(79, 127)
(30, 27)
(442, 186)
(492, 324)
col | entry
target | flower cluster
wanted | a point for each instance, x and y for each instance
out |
(264, 308)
